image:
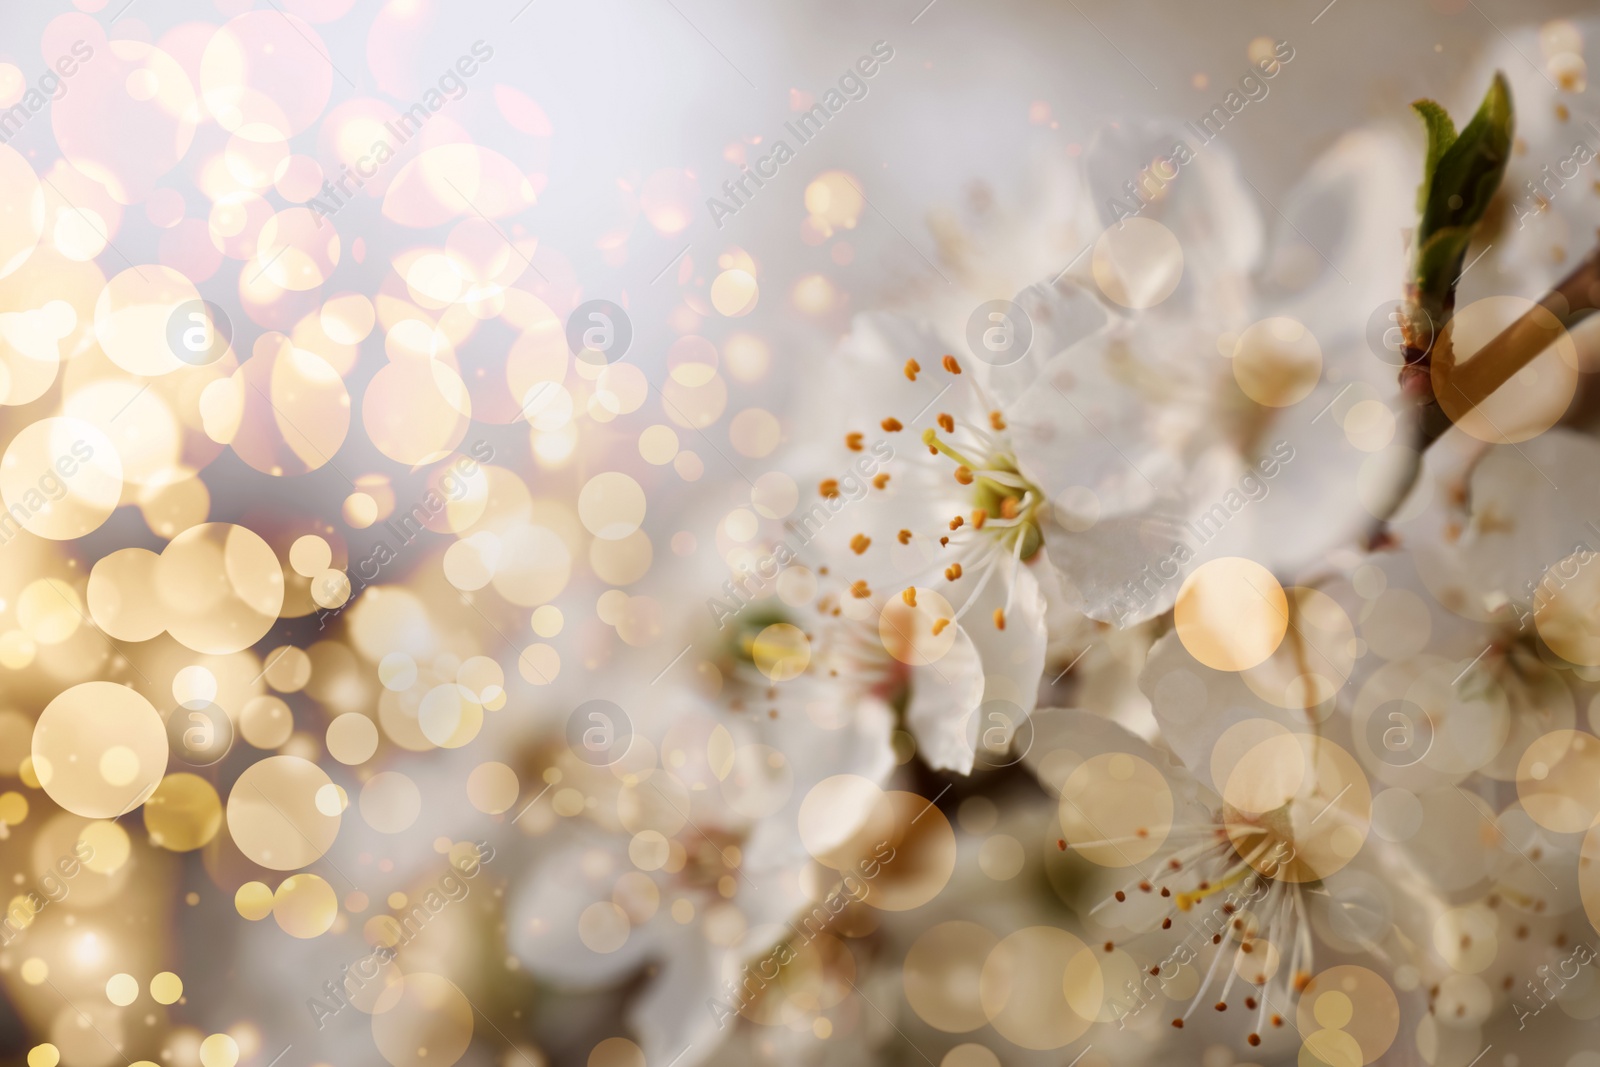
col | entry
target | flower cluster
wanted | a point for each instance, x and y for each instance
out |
(1286, 694)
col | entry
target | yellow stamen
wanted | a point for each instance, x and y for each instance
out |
(931, 439)
(1187, 900)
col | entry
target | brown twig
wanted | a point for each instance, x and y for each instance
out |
(1473, 382)
(1430, 362)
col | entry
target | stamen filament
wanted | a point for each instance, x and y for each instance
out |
(1189, 898)
(931, 439)
(988, 572)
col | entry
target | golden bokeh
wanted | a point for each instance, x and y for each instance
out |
(1589, 874)
(1041, 987)
(49, 611)
(166, 988)
(183, 814)
(1301, 791)
(277, 816)
(108, 846)
(492, 788)
(219, 1050)
(352, 738)
(1533, 399)
(390, 802)
(122, 989)
(429, 1024)
(1137, 263)
(99, 749)
(416, 410)
(266, 722)
(921, 857)
(611, 505)
(1354, 1003)
(1558, 781)
(221, 586)
(1315, 658)
(842, 817)
(304, 906)
(616, 1052)
(942, 973)
(911, 632)
(1567, 611)
(1231, 614)
(253, 901)
(781, 651)
(1116, 809)
(60, 478)
(24, 225)
(1277, 362)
